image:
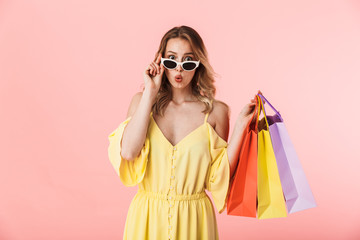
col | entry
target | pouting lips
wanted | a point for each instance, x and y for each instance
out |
(178, 79)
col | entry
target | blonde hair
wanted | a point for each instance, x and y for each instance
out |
(202, 84)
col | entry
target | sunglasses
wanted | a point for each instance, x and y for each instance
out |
(186, 65)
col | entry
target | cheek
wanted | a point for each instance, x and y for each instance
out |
(189, 75)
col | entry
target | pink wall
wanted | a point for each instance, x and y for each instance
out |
(68, 70)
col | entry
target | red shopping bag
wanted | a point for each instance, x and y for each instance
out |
(243, 191)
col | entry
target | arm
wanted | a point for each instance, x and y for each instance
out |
(234, 146)
(222, 128)
(238, 135)
(135, 132)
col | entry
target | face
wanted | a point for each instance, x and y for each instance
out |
(179, 50)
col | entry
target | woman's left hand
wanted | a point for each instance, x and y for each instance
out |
(247, 112)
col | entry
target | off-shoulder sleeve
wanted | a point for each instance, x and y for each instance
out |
(130, 172)
(219, 177)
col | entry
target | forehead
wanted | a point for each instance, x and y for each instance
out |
(178, 46)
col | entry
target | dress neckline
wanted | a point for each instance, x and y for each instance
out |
(184, 138)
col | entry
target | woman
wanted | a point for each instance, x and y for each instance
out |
(173, 144)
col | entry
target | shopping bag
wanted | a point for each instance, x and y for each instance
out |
(243, 189)
(271, 202)
(296, 189)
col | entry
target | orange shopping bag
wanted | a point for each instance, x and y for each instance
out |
(242, 196)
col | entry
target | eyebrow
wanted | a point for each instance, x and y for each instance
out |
(184, 54)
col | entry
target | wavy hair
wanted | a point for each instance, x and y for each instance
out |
(202, 84)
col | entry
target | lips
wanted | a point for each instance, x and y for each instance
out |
(178, 78)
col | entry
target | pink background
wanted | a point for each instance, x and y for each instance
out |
(68, 70)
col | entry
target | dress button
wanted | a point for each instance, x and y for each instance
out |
(173, 166)
(174, 148)
(169, 226)
(170, 197)
(171, 205)
(171, 187)
(172, 177)
(173, 157)
(169, 215)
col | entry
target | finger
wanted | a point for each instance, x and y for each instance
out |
(251, 107)
(158, 59)
(157, 68)
(148, 69)
(153, 68)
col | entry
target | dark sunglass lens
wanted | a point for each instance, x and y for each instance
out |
(169, 64)
(189, 66)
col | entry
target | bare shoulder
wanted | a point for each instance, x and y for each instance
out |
(221, 117)
(220, 108)
(134, 104)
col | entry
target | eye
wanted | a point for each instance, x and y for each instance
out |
(186, 59)
(171, 56)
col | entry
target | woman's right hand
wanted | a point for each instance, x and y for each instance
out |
(153, 75)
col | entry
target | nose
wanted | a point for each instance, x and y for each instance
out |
(179, 68)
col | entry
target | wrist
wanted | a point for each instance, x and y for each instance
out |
(240, 124)
(149, 94)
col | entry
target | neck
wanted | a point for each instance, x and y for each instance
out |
(181, 95)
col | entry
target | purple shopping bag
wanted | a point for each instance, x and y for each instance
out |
(296, 189)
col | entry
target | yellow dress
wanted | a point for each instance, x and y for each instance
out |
(171, 202)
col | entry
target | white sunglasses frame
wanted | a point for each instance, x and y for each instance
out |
(180, 63)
